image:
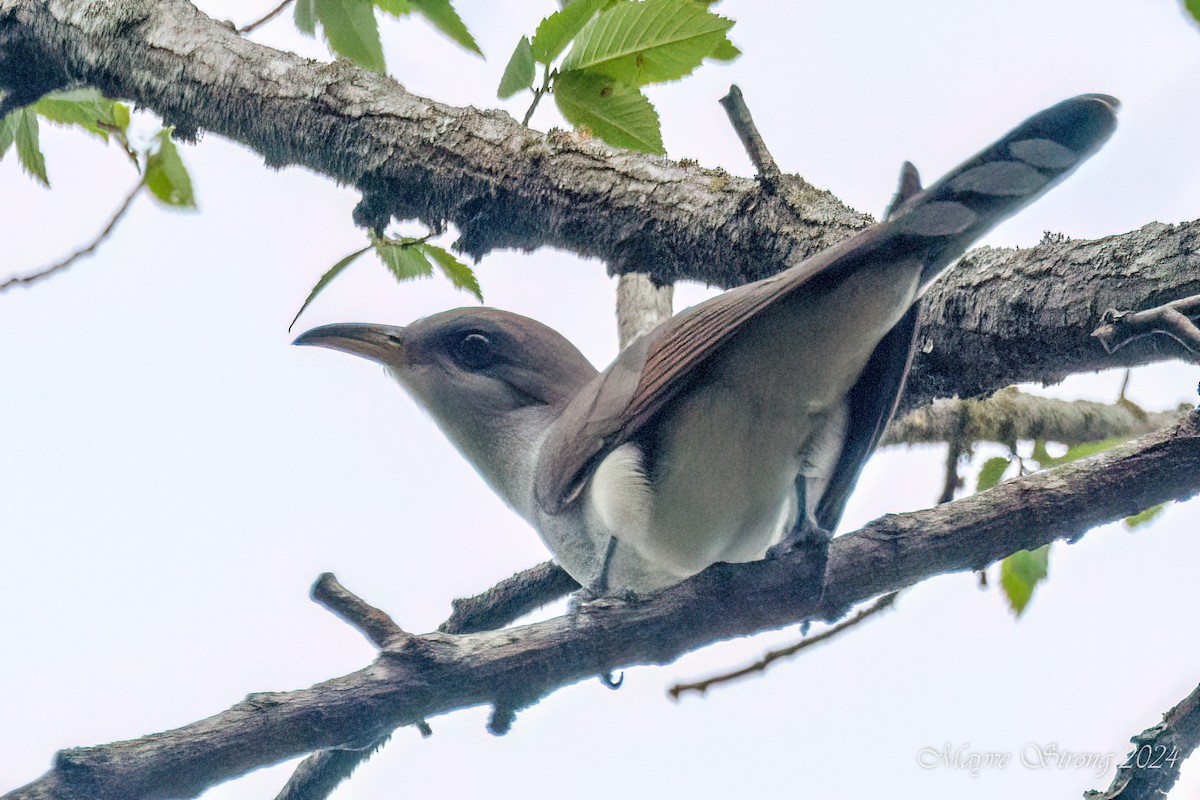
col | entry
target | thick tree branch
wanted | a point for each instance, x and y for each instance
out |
(1010, 315)
(437, 673)
(500, 183)
(1006, 316)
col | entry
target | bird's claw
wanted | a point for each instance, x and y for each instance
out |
(802, 538)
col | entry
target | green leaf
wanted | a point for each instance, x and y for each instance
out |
(991, 472)
(620, 115)
(333, 272)
(352, 32)
(1193, 8)
(459, 273)
(647, 42)
(446, 19)
(1078, 451)
(556, 31)
(1020, 574)
(306, 17)
(1040, 454)
(1144, 517)
(8, 132)
(29, 153)
(519, 73)
(166, 176)
(402, 257)
(86, 108)
(397, 8)
(725, 50)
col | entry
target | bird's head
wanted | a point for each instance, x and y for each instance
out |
(492, 380)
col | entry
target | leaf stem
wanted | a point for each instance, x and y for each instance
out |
(272, 14)
(537, 96)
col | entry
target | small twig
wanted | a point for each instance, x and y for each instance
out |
(318, 775)
(774, 655)
(953, 453)
(537, 96)
(33, 277)
(1175, 319)
(375, 624)
(1158, 752)
(511, 598)
(272, 14)
(752, 141)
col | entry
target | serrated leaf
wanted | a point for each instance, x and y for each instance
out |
(29, 152)
(352, 31)
(459, 274)
(1144, 517)
(1020, 574)
(519, 73)
(446, 19)
(647, 42)
(725, 50)
(397, 8)
(86, 108)
(121, 116)
(1193, 8)
(556, 31)
(306, 17)
(620, 115)
(166, 176)
(402, 257)
(991, 472)
(333, 272)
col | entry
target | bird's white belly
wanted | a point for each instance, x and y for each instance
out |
(729, 449)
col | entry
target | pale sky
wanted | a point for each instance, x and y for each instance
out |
(176, 474)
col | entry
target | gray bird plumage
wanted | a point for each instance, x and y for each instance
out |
(736, 425)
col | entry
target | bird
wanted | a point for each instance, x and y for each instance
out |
(736, 429)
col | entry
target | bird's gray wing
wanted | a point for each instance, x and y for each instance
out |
(934, 225)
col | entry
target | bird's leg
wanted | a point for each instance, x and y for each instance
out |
(807, 533)
(599, 588)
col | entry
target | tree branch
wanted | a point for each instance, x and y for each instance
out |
(1174, 319)
(1010, 415)
(515, 667)
(772, 656)
(1014, 315)
(265, 18)
(1158, 753)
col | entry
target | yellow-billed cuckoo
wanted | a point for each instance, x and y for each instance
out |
(736, 425)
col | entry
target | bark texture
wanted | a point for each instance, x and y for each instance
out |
(1002, 316)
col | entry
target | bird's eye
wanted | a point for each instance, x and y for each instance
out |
(474, 351)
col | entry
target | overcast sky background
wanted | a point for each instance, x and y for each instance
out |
(175, 475)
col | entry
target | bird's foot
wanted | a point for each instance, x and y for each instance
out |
(597, 599)
(806, 537)
(813, 541)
